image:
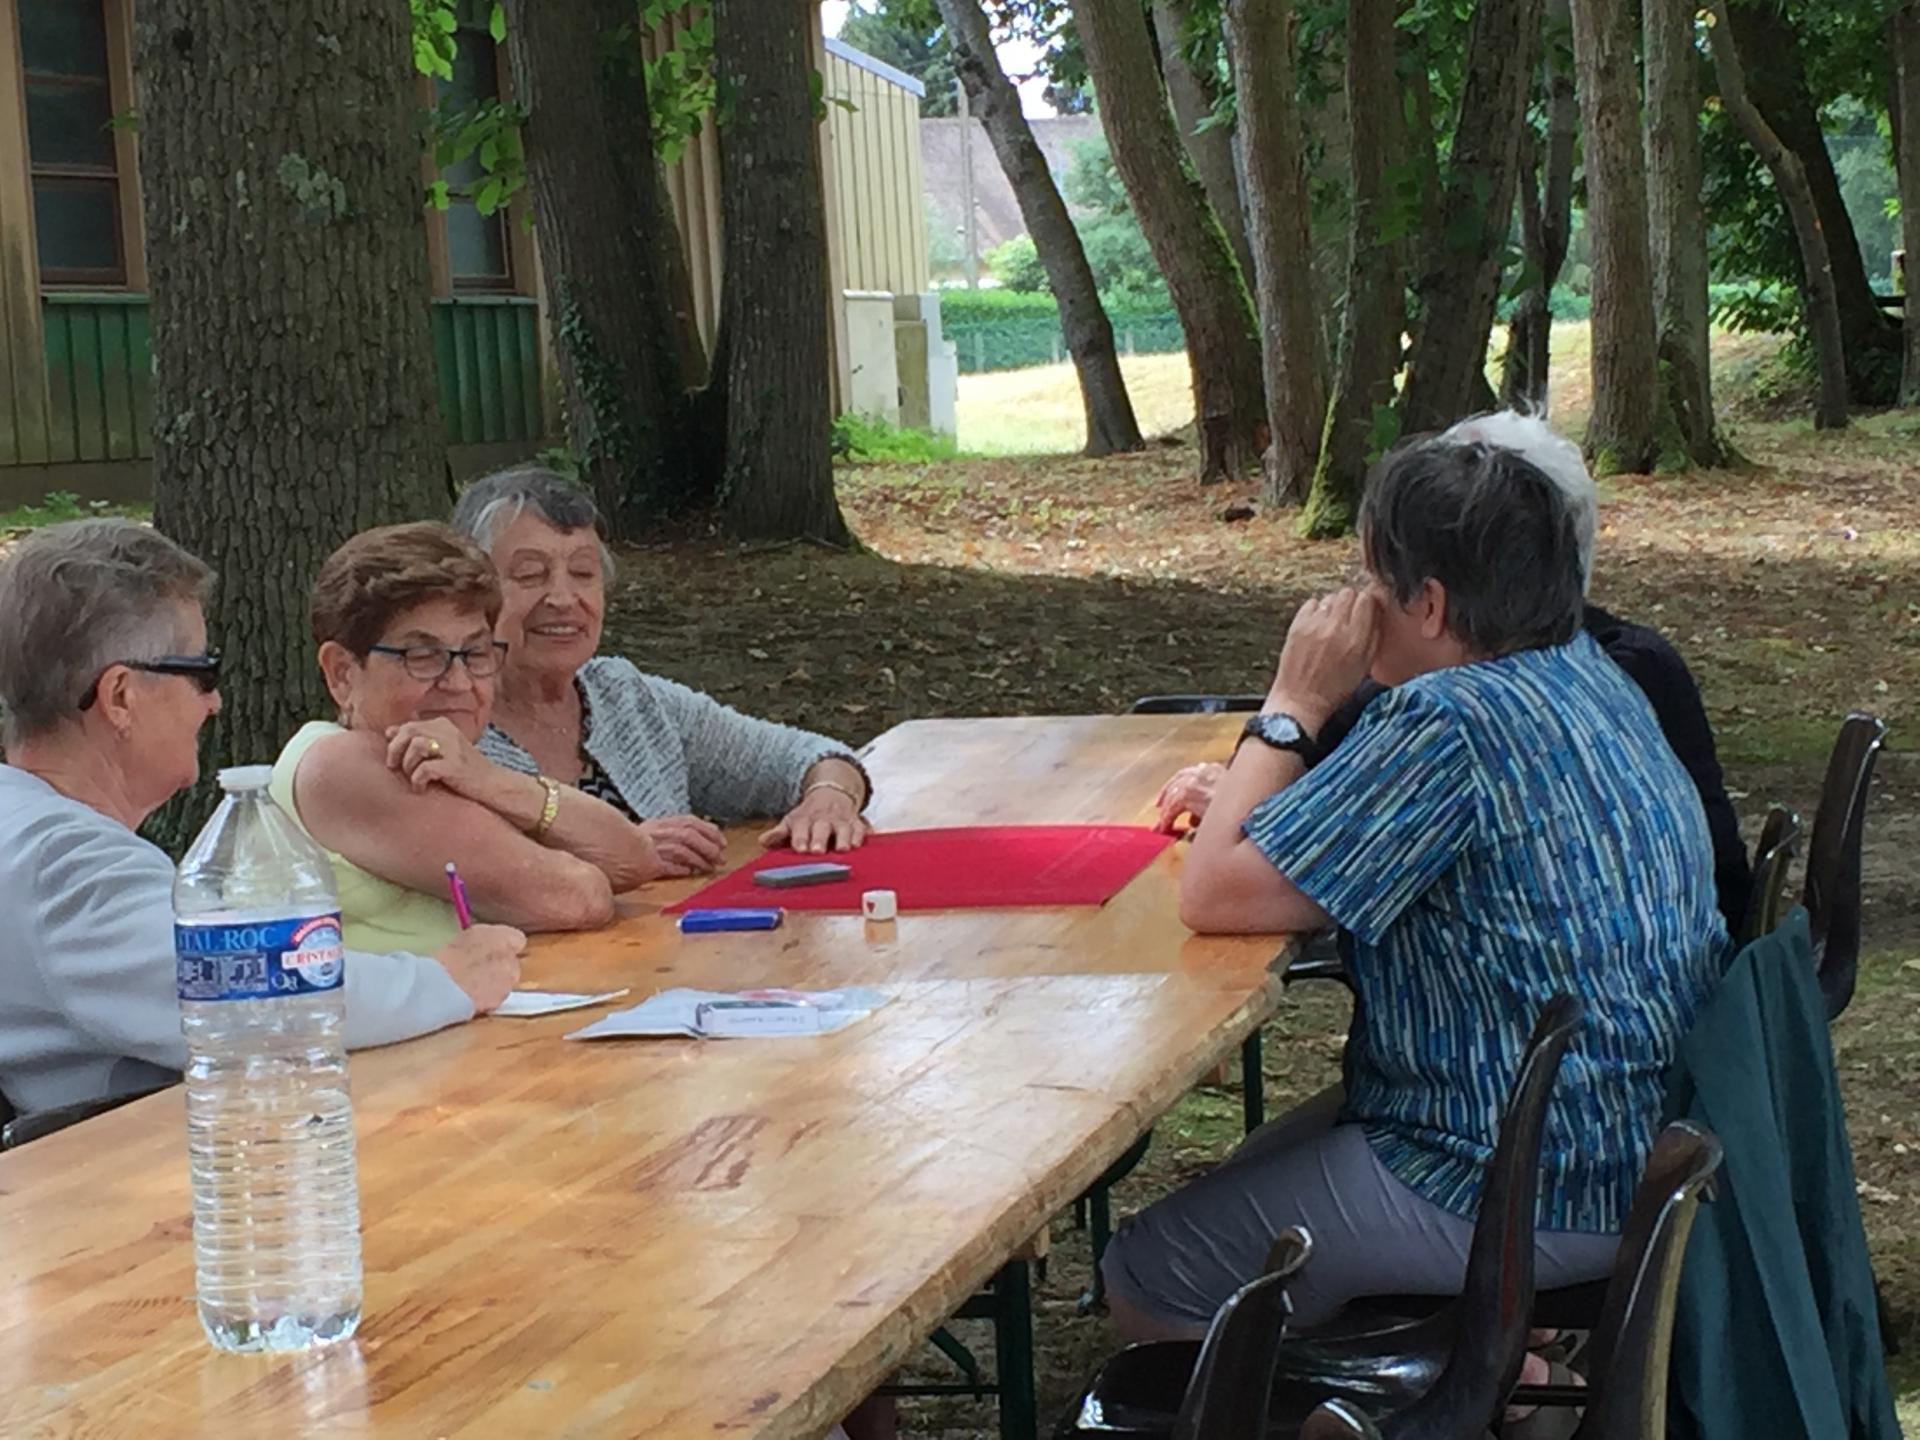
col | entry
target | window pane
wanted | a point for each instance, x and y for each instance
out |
(63, 37)
(475, 72)
(476, 243)
(77, 223)
(67, 125)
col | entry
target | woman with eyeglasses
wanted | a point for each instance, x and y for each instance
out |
(105, 681)
(395, 788)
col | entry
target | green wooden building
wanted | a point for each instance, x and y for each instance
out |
(75, 372)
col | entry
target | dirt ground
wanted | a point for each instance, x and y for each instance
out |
(1058, 585)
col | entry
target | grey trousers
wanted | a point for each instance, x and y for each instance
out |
(1181, 1257)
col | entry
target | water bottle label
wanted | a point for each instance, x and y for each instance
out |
(261, 960)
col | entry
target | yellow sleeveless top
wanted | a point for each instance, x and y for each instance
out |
(376, 915)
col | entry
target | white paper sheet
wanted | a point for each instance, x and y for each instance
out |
(672, 1012)
(524, 1004)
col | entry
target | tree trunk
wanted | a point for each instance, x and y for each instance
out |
(597, 217)
(1459, 283)
(1223, 348)
(774, 301)
(1678, 238)
(1111, 425)
(1622, 430)
(1906, 50)
(1193, 94)
(1790, 179)
(294, 395)
(1360, 413)
(1768, 49)
(1546, 218)
(1293, 352)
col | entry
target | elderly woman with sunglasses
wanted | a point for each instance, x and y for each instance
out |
(669, 757)
(395, 789)
(105, 682)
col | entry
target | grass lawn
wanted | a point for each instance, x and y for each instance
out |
(1052, 584)
(1037, 411)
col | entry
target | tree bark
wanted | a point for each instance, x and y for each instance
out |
(1111, 425)
(1223, 348)
(598, 221)
(1459, 284)
(779, 453)
(1193, 94)
(1776, 82)
(1293, 351)
(1906, 50)
(1359, 414)
(1678, 237)
(1621, 433)
(1790, 179)
(294, 395)
(1546, 218)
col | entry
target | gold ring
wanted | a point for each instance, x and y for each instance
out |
(433, 747)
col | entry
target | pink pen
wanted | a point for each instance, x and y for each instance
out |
(462, 911)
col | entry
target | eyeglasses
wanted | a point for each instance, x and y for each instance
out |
(429, 662)
(203, 670)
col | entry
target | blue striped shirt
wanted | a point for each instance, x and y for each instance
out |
(1492, 835)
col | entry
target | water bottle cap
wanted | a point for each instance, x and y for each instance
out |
(238, 778)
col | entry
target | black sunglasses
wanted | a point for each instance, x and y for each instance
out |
(203, 670)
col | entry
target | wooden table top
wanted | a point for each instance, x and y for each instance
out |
(667, 1237)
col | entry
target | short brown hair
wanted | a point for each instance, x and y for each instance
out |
(382, 573)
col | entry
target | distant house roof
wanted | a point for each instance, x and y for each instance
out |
(996, 212)
(837, 46)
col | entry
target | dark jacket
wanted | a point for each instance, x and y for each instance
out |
(1776, 1333)
(1656, 667)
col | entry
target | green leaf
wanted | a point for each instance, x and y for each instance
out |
(497, 23)
(437, 195)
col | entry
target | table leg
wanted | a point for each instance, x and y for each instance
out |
(1253, 1083)
(1013, 1353)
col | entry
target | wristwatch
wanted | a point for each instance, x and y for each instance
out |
(1282, 732)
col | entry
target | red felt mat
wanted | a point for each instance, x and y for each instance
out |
(967, 868)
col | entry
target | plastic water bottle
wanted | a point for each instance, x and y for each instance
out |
(276, 1207)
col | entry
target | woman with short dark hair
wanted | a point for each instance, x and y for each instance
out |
(105, 681)
(668, 756)
(395, 789)
(1506, 823)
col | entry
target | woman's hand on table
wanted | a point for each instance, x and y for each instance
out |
(827, 818)
(1189, 792)
(484, 962)
(685, 844)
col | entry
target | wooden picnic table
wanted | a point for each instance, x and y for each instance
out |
(666, 1237)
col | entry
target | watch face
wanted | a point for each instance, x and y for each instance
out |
(1277, 730)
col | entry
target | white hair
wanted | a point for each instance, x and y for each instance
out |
(1553, 455)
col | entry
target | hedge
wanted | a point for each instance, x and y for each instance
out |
(1013, 329)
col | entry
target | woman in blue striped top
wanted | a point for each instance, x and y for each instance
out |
(1505, 823)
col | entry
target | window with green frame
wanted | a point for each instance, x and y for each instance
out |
(71, 158)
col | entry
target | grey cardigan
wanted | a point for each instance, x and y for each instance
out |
(87, 997)
(670, 750)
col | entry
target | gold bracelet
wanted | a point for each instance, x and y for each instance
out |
(858, 803)
(550, 810)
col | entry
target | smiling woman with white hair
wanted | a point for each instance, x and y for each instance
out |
(105, 681)
(662, 753)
